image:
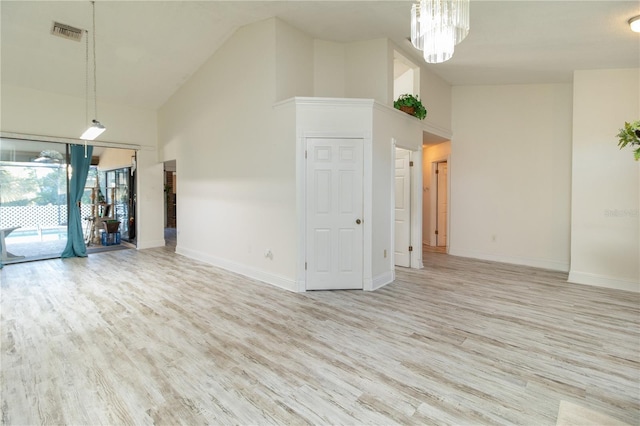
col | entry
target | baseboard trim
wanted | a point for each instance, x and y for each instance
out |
(238, 268)
(382, 280)
(141, 245)
(553, 265)
(597, 280)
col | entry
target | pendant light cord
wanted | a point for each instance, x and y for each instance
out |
(95, 96)
(86, 84)
(86, 77)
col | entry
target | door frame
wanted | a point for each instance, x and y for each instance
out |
(301, 202)
(416, 203)
(433, 240)
(408, 182)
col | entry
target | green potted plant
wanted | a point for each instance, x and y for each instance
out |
(630, 135)
(411, 105)
(111, 225)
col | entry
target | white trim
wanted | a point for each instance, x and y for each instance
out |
(331, 102)
(313, 134)
(433, 209)
(416, 209)
(392, 205)
(382, 280)
(69, 141)
(617, 283)
(301, 209)
(449, 198)
(437, 130)
(367, 206)
(550, 264)
(141, 245)
(426, 126)
(238, 268)
(415, 176)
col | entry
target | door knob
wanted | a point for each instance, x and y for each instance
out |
(358, 221)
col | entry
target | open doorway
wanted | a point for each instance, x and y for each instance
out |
(441, 204)
(435, 201)
(407, 196)
(111, 197)
(170, 204)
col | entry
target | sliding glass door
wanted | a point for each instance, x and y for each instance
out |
(115, 184)
(33, 199)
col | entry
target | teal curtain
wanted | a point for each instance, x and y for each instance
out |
(79, 171)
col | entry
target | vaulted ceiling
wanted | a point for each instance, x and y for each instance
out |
(147, 49)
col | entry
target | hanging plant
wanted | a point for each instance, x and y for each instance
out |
(630, 135)
(411, 105)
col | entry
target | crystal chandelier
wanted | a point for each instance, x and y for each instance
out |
(437, 26)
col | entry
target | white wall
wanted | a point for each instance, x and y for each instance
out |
(114, 158)
(431, 154)
(150, 200)
(30, 111)
(403, 84)
(510, 174)
(369, 70)
(436, 96)
(605, 203)
(329, 69)
(294, 62)
(237, 175)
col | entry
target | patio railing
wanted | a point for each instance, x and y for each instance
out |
(36, 217)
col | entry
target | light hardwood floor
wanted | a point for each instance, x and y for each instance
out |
(150, 337)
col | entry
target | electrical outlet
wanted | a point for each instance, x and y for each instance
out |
(385, 253)
(268, 254)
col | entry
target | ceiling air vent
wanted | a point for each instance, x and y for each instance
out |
(66, 31)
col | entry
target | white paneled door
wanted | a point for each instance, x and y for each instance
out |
(402, 255)
(334, 240)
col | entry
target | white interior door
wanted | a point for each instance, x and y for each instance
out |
(334, 240)
(443, 198)
(402, 255)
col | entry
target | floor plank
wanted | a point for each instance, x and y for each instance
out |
(150, 337)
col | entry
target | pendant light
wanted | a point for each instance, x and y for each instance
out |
(634, 23)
